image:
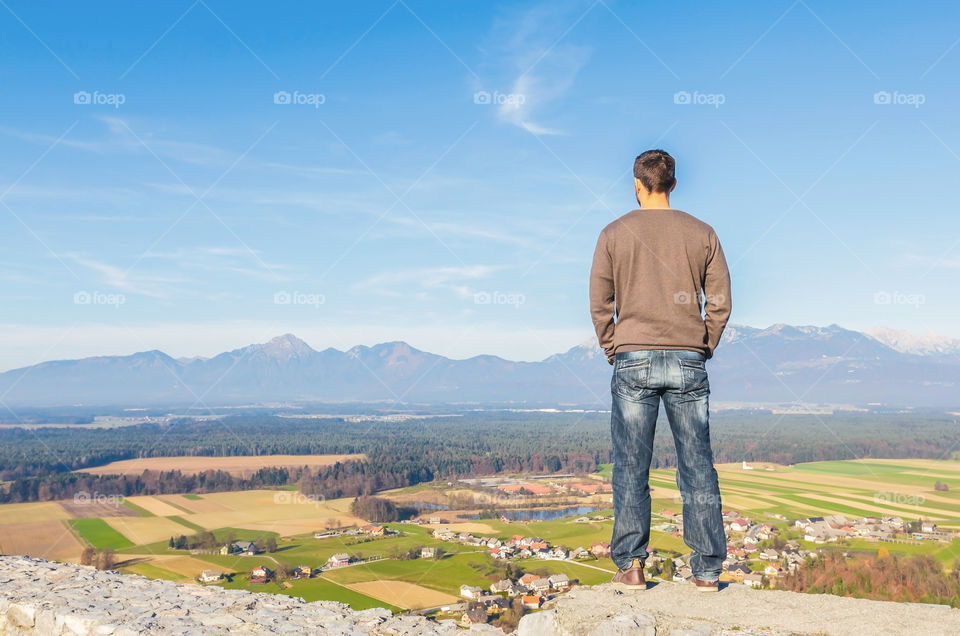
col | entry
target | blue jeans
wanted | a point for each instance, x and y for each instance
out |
(641, 379)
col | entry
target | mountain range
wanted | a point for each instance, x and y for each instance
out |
(777, 365)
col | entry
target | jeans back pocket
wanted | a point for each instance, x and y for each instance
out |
(694, 376)
(631, 378)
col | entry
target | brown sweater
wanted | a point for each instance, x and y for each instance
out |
(652, 268)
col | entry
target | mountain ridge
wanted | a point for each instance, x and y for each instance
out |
(779, 364)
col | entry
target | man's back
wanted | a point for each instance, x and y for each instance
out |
(649, 269)
(653, 264)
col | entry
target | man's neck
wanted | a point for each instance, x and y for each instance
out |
(656, 201)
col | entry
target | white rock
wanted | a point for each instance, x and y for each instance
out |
(543, 623)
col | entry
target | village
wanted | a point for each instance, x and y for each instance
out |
(758, 553)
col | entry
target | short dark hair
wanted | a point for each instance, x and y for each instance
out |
(656, 170)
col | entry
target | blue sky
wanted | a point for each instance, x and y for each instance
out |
(155, 194)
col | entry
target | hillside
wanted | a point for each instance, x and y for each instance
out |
(41, 597)
(779, 364)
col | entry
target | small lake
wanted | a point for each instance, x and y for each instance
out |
(540, 514)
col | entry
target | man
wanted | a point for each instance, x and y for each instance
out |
(660, 299)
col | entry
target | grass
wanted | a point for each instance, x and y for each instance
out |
(862, 488)
(184, 522)
(320, 589)
(949, 554)
(99, 534)
(153, 572)
(315, 589)
(851, 468)
(790, 492)
(141, 512)
(445, 575)
(162, 547)
(178, 506)
(581, 573)
(830, 507)
(568, 533)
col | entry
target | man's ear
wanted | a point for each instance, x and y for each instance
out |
(638, 187)
(673, 186)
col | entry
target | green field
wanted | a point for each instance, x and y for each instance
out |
(161, 547)
(851, 488)
(153, 572)
(580, 572)
(141, 512)
(185, 523)
(100, 535)
(445, 575)
(320, 589)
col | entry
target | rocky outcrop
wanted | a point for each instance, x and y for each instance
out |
(45, 598)
(674, 609)
(41, 597)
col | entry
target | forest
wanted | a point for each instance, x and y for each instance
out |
(42, 463)
(911, 579)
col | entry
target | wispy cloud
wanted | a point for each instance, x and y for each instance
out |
(460, 230)
(532, 51)
(427, 279)
(118, 138)
(225, 259)
(151, 285)
(170, 273)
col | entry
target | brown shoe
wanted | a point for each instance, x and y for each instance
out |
(706, 586)
(632, 577)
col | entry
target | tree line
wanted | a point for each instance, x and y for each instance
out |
(39, 464)
(913, 579)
